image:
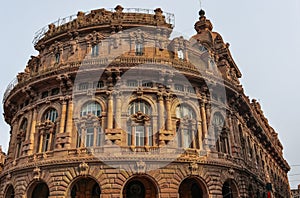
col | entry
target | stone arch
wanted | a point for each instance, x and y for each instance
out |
(141, 186)
(21, 120)
(9, 191)
(148, 99)
(79, 104)
(193, 187)
(38, 189)
(45, 108)
(84, 187)
(189, 103)
(230, 189)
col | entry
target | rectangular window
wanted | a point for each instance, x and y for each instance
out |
(147, 84)
(180, 55)
(83, 86)
(150, 137)
(79, 133)
(98, 85)
(139, 49)
(95, 50)
(45, 94)
(190, 90)
(139, 135)
(55, 91)
(129, 140)
(46, 142)
(179, 87)
(89, 141)
(186, 138)
(132, 83)
(57, 58)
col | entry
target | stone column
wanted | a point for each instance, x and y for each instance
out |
(169, 118)
(146, 135)
(132, 135)
(50, 142)
(110, 108)
(69, 124)
(63, 117)
(32, 131)
(95, 136)
(161, 117)
(118, 111)
(41, 137)
(203, 117)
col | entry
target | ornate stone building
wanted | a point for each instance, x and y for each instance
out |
(113, 106)
(296, 192)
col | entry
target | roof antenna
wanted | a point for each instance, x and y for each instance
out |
(200, 3)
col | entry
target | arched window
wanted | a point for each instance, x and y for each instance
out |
(221, 133)
(139, 124)
(187, 136)
(50, 115)
(92, 108)
(185, 111)
(90, 132)
(47, 130)
(21, 137)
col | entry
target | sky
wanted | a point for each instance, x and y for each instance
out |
(264, 39)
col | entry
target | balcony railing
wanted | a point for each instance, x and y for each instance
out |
(169, 17)
(10, 87)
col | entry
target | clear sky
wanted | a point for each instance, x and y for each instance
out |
(264, 38)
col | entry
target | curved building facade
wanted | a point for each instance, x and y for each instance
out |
(115, 106)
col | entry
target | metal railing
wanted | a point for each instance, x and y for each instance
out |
(10, 87)
(169, 17)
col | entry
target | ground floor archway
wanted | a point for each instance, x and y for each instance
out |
(140, 187)
(85, 188)
(39, 190)
(192, 188)
(10, 192)
(229, 189)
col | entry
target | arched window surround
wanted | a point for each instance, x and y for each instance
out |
(21, 136)
(9, 191)
(185, 187)
(89, 182)
(221, 133)
(139, 124)
(47, 130)
(187, 127)
(149, 183)
(90, 131)
(33, 190)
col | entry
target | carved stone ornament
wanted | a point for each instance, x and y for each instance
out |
(8, 177)
(194, 168)
(141, 167)
(36, 173)
(231, 171)
(83, 169)
(140, 117)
